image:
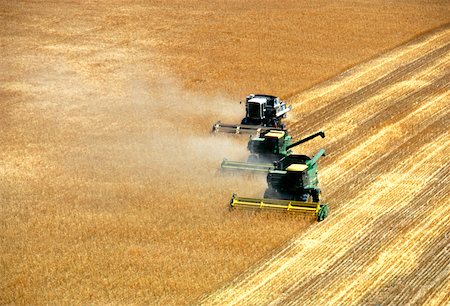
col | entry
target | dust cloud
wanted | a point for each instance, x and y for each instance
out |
(120, 173)
(164, 133)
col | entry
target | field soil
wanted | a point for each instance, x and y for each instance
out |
(109, 183)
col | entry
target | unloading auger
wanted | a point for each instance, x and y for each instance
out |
(292, 186)
(266, 149)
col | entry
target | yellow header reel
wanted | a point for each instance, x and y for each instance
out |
(320, 210)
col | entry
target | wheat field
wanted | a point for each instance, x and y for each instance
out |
(387, 176)
(109, 182)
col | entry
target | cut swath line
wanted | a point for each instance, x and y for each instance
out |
(376, 142)
(319, 115)
(322, 246)
(321, 234)
(361, 73)
(328, 234)
(375, 274)
(345, 124)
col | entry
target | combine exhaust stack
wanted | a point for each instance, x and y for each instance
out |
(316, 208)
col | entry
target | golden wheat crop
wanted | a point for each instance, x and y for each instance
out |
(109, 188)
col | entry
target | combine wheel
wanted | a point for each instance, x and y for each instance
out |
(323, 213)
(316, 195)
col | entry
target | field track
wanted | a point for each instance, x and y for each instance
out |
(387, 180)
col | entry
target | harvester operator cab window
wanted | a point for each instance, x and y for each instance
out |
(276, 102)
(296, 174)
(272, 144)
(255, 107)
(275, 140)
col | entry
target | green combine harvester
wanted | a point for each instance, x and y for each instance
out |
(292, 186)
(265, 149)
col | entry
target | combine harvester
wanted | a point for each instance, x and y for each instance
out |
(262, 113)
(292, 186)
(267, 148)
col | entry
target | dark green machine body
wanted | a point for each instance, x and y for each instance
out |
(274, 145)
(293, 186)
(268, 147)
(294, 178)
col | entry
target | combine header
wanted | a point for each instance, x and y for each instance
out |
(292, 186)
(267, 148)
(262, 113)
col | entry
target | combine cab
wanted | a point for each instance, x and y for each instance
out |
(267, 148)
(262, 113)
(292, 186)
